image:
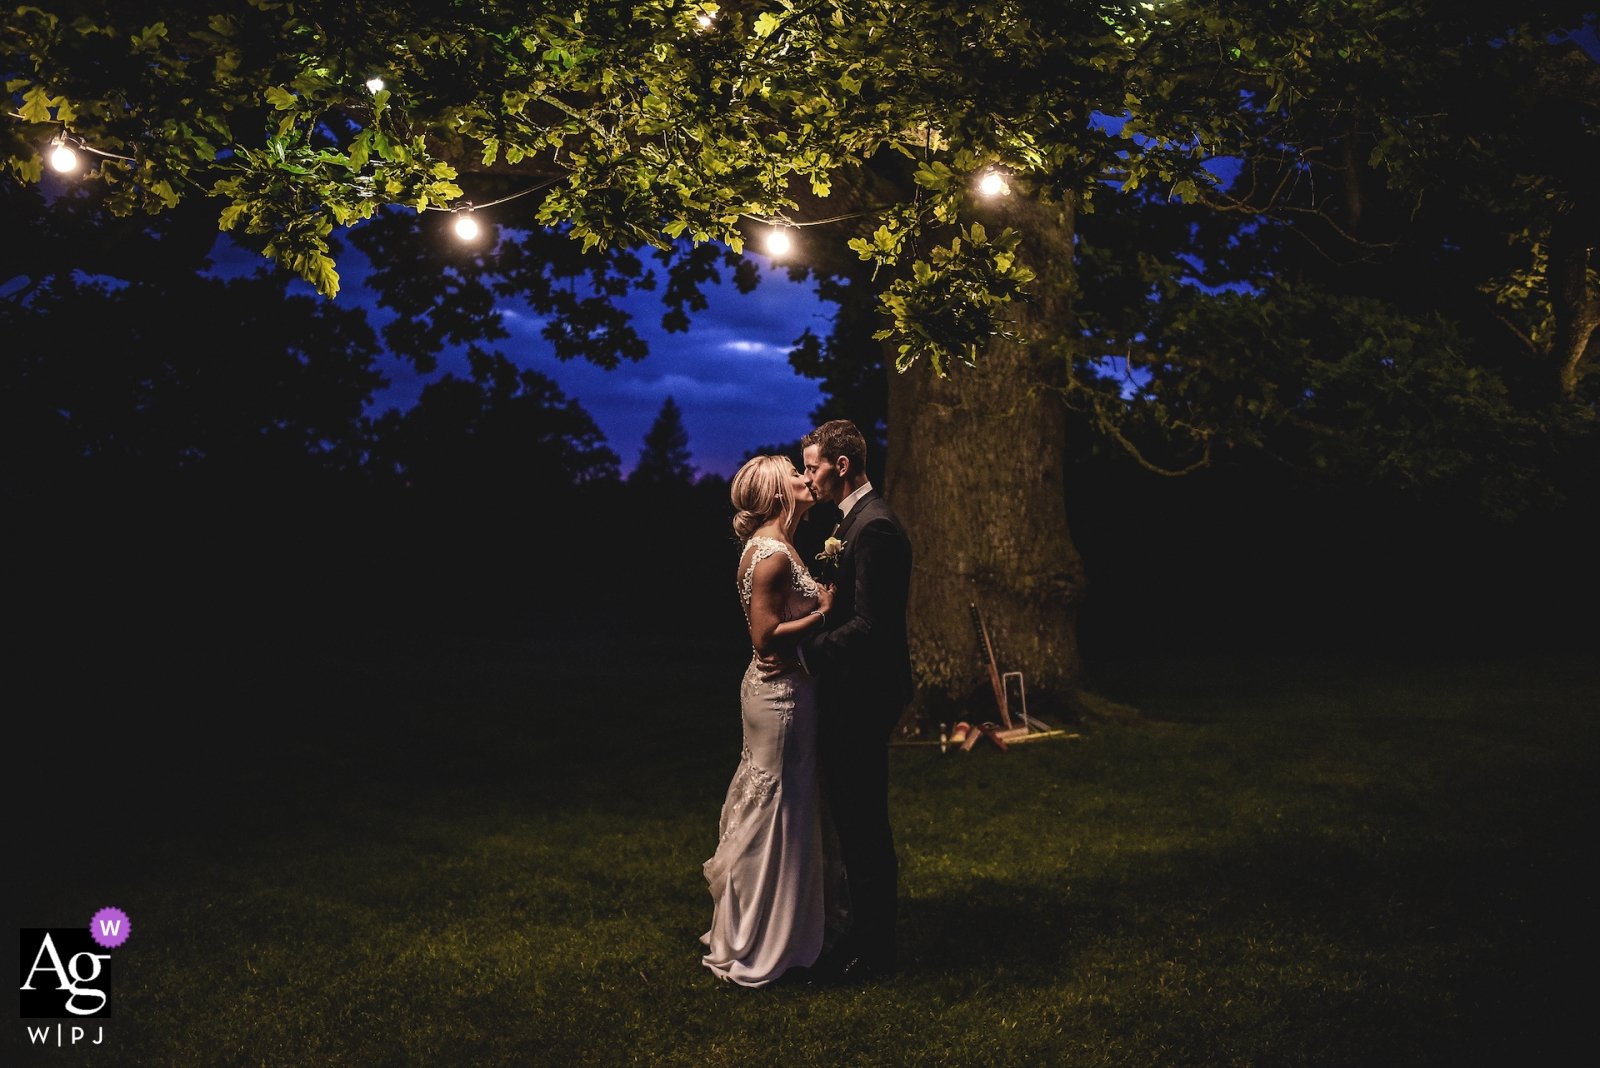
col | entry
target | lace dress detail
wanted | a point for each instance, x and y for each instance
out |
(800, 579)
(779, 693)
(752, 786)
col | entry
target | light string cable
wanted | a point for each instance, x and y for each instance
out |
(778, 238)
(467, 226)
(65, 140)
(991, 183)
(62, 157)
(780, 220)
(470, 206)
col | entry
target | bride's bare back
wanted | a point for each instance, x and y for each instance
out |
(781, 600)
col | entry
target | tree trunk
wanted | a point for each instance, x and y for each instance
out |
(975, 470)
(1574, 299)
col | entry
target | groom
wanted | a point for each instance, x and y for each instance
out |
(863, 666)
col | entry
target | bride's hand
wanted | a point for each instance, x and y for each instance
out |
(825, 599)
(776, 664)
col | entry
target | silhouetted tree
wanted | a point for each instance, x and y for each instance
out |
(502, 429)
(124, 366)
(664, 460)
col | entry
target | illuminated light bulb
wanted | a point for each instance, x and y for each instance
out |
(466, 226)
(374, 85)
(704, 21)
(64, 159)
(777, 242)
(991, 185)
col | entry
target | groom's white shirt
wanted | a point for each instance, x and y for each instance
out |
(851, 501)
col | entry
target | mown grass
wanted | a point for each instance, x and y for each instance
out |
(490, 854)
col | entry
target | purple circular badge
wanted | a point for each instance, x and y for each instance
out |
(109, 928)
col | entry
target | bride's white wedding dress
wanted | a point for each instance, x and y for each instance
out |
(776, 877)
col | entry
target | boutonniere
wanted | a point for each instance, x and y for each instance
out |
(830, 552)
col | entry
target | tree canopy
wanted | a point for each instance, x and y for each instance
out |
(649, 120)
(1376, 140)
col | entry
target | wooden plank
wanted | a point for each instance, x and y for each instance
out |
(1011, 741)
(986, 650)
(1038, 736)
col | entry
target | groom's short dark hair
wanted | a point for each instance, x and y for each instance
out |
(836, 438)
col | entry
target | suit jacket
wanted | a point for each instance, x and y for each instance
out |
(862, 656)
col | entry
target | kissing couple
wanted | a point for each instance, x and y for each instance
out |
(804, 875)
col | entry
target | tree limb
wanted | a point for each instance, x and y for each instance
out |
(1520, 335)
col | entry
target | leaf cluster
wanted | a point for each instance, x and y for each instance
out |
(953, 297)
(652, 126)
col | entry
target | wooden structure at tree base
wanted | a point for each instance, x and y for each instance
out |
(1007, 732)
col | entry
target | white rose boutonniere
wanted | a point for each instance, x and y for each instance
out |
(830, 552)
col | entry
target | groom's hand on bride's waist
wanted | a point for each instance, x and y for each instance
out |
(775, 664)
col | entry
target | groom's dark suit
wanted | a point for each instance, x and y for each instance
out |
(863, 664)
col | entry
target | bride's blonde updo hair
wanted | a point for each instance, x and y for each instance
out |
(761, 491)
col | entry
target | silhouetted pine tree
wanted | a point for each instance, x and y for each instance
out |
(664, 460)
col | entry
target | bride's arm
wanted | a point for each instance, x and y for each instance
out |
(769, 595)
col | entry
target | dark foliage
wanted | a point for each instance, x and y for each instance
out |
(132, 383)
(125, 367)
(1404, 237)
(502, 430)
(444, 290)
(188, 452)
(848, 362)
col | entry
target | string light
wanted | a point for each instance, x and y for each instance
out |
(63, 158)
(374, 86)
(466, 226)
(704, 21)
(777, 242)
(991, 184)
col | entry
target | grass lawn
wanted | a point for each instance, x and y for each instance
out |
(489, 854)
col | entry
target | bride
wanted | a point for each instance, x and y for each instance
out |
(776, 878)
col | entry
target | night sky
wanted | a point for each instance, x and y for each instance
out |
(730, 373)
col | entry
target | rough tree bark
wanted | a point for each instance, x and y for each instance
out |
(975, 468)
